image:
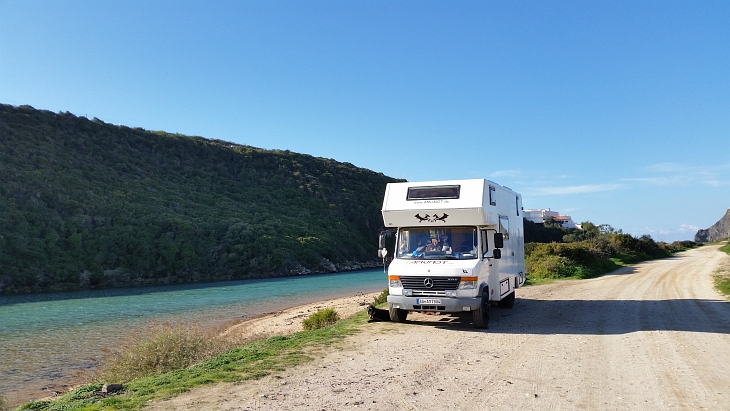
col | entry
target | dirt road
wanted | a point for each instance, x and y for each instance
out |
(654, 337)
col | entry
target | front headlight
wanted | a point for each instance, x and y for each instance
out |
(468, 283)
(394, 281)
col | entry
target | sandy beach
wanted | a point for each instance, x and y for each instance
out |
(290, 320)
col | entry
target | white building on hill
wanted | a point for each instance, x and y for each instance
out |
(538, 216)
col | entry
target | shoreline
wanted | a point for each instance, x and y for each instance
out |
(268, 324)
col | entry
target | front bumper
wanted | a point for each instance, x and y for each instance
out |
(446, 304)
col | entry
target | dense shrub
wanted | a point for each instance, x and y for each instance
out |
(321, 318)
(594, 256)
(562, 260)
(382, 298)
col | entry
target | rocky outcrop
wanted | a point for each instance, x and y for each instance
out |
(719, 231)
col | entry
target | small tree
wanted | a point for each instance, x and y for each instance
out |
(549, 222)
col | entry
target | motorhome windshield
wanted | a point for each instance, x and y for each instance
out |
(458, 243)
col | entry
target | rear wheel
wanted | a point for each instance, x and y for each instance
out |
(397, 315)
(509, 300)
(481, 314)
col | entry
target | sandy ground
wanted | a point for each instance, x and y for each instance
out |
(290, 320)
(655, 336)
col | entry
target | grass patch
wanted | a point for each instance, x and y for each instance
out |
(320, 319)
(726, 248)
(250, 361)
(722, 277)
(722, 283)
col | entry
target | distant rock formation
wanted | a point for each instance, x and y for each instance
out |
(719, 231)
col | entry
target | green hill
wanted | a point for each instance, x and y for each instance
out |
(87, 204)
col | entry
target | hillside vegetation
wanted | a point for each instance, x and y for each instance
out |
(87, 204)
(552, 252)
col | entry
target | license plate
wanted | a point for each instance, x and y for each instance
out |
(428, 301)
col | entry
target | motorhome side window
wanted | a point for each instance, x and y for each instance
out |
(504, 226)
(492, 195)
(431, 243)
(433, 193)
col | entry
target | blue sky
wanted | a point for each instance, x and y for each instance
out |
(612, 112)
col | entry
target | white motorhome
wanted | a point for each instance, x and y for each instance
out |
(459, 247)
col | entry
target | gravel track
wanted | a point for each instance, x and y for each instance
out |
(655, 336)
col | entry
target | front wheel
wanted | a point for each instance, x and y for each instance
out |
(481, 314)
(397, 315)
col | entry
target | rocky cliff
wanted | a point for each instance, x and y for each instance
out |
(720, 230)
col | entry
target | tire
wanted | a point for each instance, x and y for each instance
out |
(397, 315)
(509, 300)
(480, 316)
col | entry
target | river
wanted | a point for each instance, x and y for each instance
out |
(46, 338)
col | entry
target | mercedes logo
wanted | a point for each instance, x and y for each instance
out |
(428, 282)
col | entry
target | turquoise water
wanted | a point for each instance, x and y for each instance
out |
(47, 336)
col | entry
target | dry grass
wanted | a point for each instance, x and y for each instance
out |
(163, 346)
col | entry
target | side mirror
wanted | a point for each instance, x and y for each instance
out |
(381, 241)
(382, 253)
(498, 240)
(496, 253)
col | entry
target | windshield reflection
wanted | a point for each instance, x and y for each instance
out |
(457, 243)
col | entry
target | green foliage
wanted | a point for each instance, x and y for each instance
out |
(322, 318)
(603, 251)
(382, 298)
(86, 204)
(567, 260)
(538, 233)
(3, 403)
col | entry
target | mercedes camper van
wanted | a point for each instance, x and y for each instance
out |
(459, 247)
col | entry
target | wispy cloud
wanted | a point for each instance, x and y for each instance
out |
(688, 228)
(658, 181)
(684, 174)
(683, 232)
(579, 189)
(506, 173)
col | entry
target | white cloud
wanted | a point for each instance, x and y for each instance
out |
(683, 232)
(673, 173)
(688, 228)
(579, 189)
(505, 173)
(659, 181)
